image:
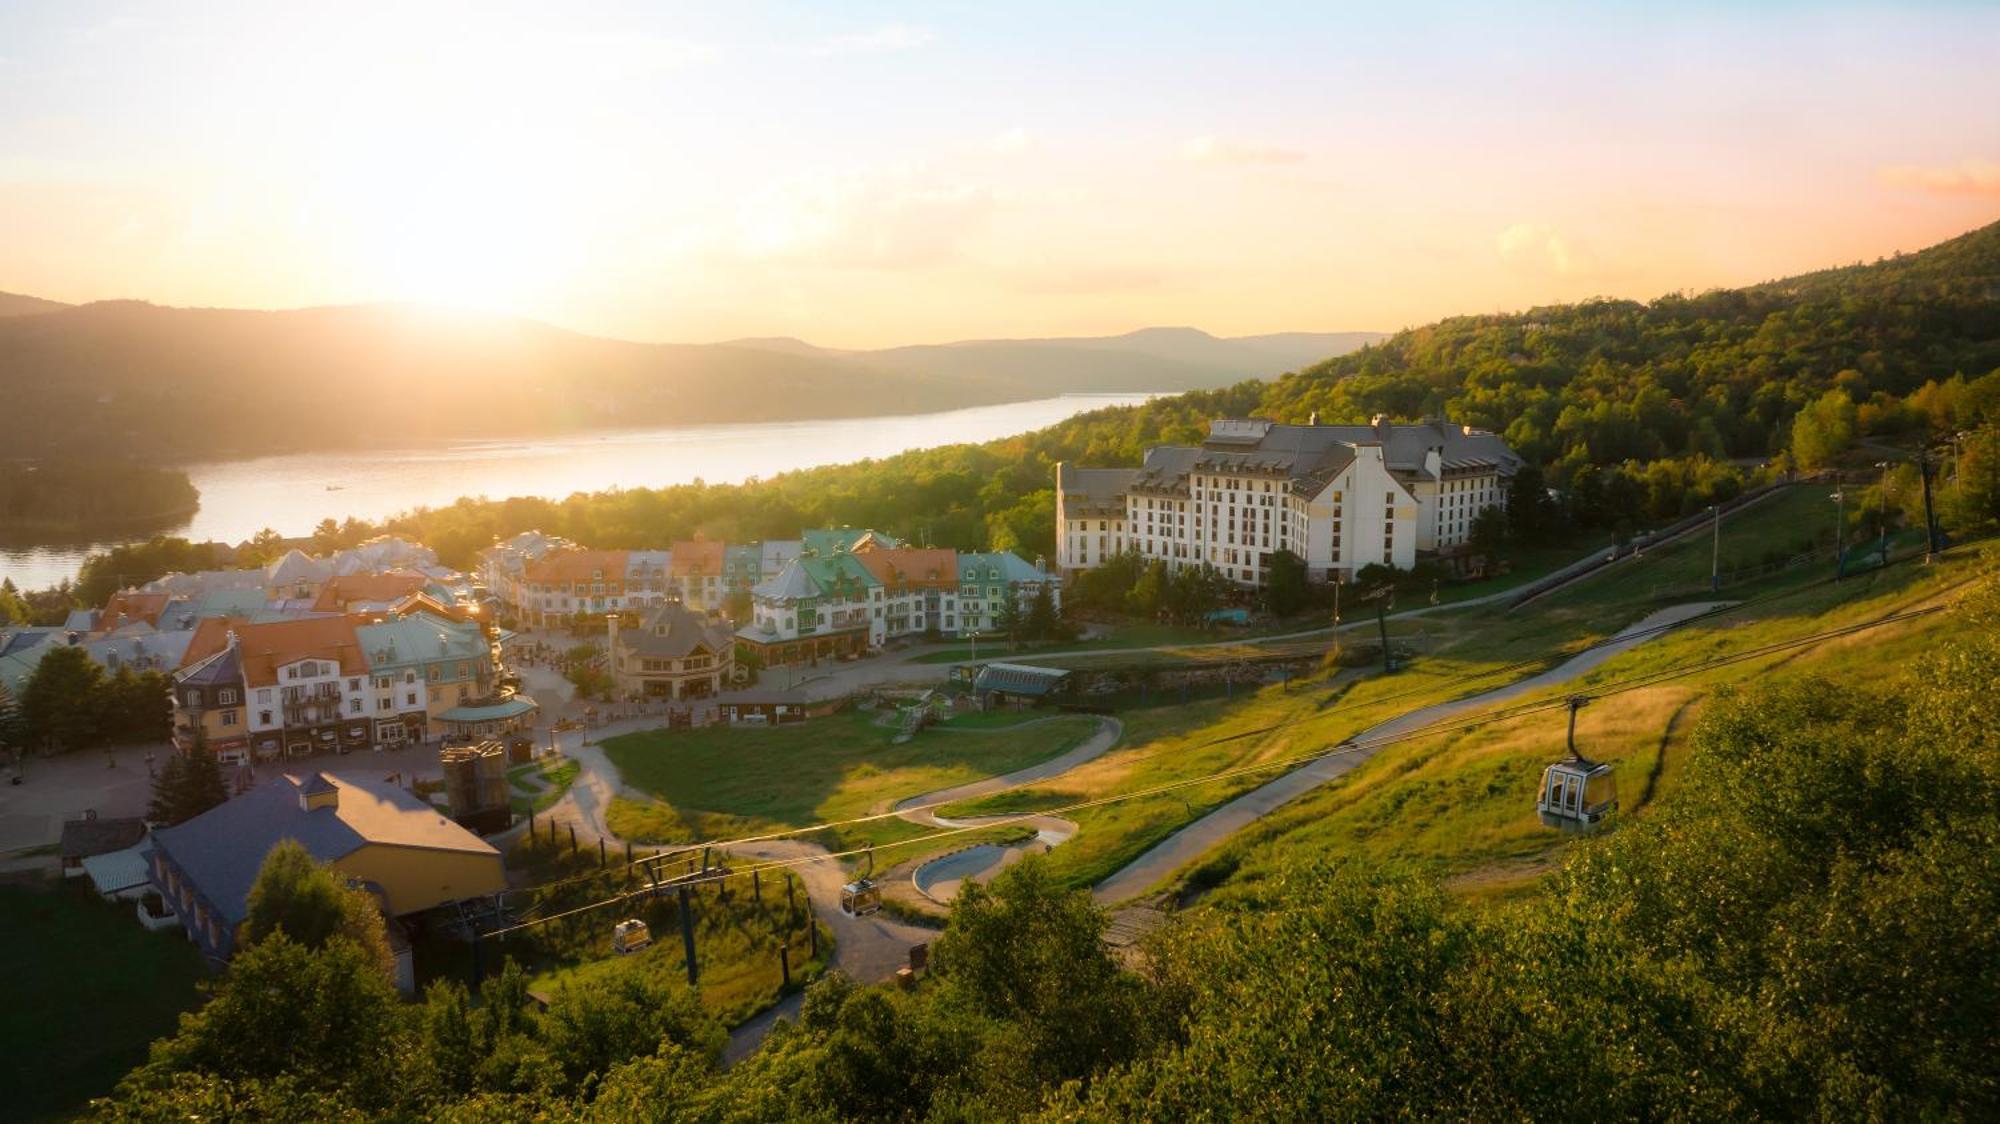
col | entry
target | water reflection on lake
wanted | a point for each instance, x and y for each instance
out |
(293, 493)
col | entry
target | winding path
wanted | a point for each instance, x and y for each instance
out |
(1199, 837)
(940, 878)
(872, 948)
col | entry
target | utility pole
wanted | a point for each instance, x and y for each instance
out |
(1715, 550)
(687, 933)
(1932, 547)
(1336, 620)
(1382, 597)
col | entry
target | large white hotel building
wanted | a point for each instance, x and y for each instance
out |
(1341, 497)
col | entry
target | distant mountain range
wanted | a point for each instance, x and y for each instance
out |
(141, 381)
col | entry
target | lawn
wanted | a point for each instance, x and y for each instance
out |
(88, 989)
(722, 781)
(538, 786)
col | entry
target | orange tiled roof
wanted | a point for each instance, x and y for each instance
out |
(935, 567)
(697, 556)
(569, 566)
(266, 646)
(136, 606)
(343, 590)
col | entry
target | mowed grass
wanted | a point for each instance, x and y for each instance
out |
(88, 990)
(1460, 805)
(555, 779)
(721, 782)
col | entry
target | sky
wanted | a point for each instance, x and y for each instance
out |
(864, 175)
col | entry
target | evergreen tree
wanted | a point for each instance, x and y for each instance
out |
(1042, 623)
(186, 786)
(1285, 590)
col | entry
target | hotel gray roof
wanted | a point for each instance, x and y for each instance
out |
(1307, 456)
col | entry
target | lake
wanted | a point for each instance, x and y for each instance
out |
(291, 494)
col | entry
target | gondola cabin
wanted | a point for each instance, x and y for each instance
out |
(630, 936)
(860, 897)
(1577, 795)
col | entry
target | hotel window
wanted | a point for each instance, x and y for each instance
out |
(229, 718)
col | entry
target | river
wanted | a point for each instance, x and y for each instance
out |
(291, 494)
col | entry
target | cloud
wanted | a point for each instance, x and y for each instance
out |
(900, 219)
(1079, 280)
(1012, 141)
(1540, 249)
(1213, 150)
(888, 37)
(1967, 177)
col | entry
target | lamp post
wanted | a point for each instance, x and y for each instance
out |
(1882, 515)
(1840, 534)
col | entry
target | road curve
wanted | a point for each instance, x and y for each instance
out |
(1204, 834)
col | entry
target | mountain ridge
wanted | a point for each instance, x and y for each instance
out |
(144, 381)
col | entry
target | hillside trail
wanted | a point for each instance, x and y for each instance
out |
(1201, 836)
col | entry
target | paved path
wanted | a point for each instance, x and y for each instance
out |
(1199, 837)
(940, 879)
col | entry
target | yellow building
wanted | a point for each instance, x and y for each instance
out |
(384, 838)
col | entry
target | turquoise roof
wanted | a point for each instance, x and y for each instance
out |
(418, 639)
(497, 712)
(999, 565)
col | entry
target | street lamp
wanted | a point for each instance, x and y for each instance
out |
(974, 634)
(1882, 514)
(1840, 534)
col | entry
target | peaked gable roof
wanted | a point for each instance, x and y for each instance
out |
(698, 558)
(674, 631)
(569, 566)
(222, 849)
(934, 567)
(266, 646)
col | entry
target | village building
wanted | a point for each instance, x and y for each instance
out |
(919, 588)
(990, 582)
(1339, 497)
(396, 846)
(820, 607)
(671, 652)
(698, 573)
(296, 686)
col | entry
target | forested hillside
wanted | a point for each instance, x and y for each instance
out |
(1636, 410)
(1805, 930)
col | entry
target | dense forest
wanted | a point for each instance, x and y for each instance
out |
(1635, 411)
(41, 502)
(1804, 930)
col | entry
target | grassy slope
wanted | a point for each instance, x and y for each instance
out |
(87, 990)
(718, 782)
(1455, 804)
(1461, 805)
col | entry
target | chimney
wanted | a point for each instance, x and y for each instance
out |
(229, 638)
(1314, 419)
(1380, 422)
